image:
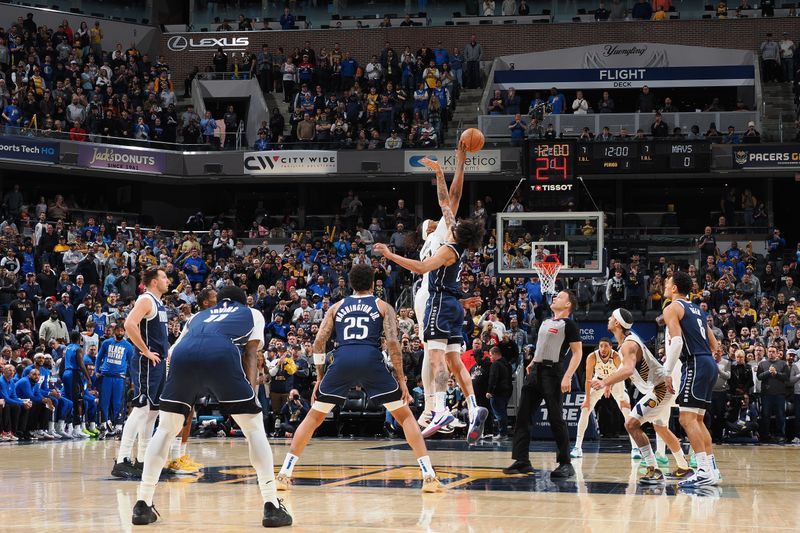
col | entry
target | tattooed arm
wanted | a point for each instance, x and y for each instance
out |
(458, 178)
(393, 346)
(442, 192)
(324, 333)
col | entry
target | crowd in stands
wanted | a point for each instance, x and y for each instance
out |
(63, 273)
(67, 84)
(537, 126)
(394, 99)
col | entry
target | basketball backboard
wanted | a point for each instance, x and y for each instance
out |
(576, 238)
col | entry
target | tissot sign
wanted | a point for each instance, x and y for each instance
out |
(181, 43)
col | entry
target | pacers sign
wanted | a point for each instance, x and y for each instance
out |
(290, 162)
(767, 157)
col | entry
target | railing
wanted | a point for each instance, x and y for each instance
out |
(572, 125)
(128, 142)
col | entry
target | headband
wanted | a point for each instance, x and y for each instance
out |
(622, 322)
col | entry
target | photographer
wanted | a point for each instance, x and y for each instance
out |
(281, 371)
(742, 419)
(292, 414)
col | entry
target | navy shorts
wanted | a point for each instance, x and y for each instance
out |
(444, 319)
(698, 376)
(148, 381)
(358, 365)
(207, 365)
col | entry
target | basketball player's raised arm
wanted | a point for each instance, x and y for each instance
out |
(324, 333)
(457, 187)
(442, 192)
(393, 345)
(142, 308)
(629, 355)
(443, 256)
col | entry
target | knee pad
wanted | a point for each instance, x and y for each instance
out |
(436, 344)
(249, 423)
(170, 422)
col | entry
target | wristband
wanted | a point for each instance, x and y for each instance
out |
(319, 358)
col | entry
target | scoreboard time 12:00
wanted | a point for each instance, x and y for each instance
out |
(552, 161)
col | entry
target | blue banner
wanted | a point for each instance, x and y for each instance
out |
(592, 332)
(29, 149)
(572, 412)
(588, 78)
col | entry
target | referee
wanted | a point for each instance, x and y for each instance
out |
(543, 380)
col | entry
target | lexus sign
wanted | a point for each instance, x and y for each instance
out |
(292, 162)
(180, 43)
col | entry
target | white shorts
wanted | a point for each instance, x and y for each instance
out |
(655, 406)
(420, 303)
(617, 392)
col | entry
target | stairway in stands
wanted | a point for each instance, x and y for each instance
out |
(779, 107)
(466, 112)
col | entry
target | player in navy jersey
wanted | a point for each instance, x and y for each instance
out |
(146, 326)
(358, 321)
(444, 314)
(112, 365)
(690, 339)
(216, 353)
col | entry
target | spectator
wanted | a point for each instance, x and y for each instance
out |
(642, 10)
(287, 20)
(770, 60)
(556, 101)
(601, 13)
(773, 374)
(580, 106)
(646, 101)
(499, 391)
(473, 54)
(606, 104)
(518, 127)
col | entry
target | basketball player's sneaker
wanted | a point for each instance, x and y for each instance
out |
(457, 424)
(476, 425)
(126, 470)
(276, 516)
(438, 421)
(700, 479)
(192, 462)
(662, 460)
(144, 514)
(424, 419)
(635, 453)
(181, 466)
(680, 473)
(446, 430)
(653, 476)
(283, 482)
(432, 484)
(692, 461)
(576, 453)
(519, 467)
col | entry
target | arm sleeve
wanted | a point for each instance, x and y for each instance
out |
(257, 332)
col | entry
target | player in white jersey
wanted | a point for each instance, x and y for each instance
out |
(435, 235)
(601, 363)
(649, 376)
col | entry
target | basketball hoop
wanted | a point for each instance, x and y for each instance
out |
(547, 270)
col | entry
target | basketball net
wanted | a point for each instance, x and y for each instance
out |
(547, 270)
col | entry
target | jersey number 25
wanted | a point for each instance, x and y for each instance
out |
(356, 328)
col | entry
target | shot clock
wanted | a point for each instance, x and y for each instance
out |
(552, 161)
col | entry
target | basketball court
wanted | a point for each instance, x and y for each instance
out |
(373, 485)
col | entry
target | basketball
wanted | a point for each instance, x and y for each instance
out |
(473, 139)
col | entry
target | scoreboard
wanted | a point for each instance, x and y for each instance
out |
(667, 156)
(552, 162)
